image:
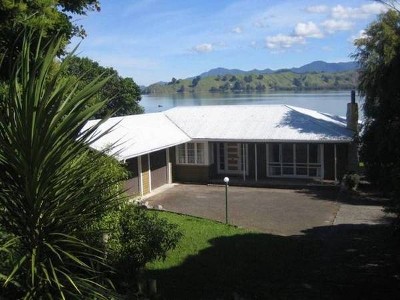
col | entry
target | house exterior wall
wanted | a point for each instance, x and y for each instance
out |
(155, 172)
(158, 168)
(132, 185)
(189, 173)
(192, 174)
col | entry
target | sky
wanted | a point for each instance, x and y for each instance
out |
(155, 40)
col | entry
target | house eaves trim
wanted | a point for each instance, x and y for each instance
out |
(321, 141)
(153, 150)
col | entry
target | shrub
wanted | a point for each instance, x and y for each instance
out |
(134, 237)
(351, 181)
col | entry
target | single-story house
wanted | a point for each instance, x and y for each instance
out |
(248, 142)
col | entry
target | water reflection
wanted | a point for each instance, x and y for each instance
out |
(331, 102)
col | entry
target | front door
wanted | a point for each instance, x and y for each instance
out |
(232, 158)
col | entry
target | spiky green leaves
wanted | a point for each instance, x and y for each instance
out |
(51, 189)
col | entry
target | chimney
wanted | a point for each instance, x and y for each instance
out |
(352, 113)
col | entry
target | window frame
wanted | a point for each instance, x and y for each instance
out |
(295, 165)
(185, 162)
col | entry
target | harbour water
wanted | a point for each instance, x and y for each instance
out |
(331, 102)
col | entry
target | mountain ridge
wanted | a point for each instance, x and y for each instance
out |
(315, 66)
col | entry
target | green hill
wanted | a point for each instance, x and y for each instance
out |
(284, 80)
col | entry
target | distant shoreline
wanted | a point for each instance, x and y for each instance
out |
(262, 83)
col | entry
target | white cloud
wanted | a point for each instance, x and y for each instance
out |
(359, 35)
(374, 8)
(203, 48)
(362, 12)
(317, 9)
(308, 29)
(331, 26)
(281, 41)
(237, 30)
(341, 12)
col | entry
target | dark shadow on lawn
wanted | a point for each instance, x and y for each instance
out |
(331, 262)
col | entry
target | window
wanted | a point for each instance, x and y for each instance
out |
(181, 153)
(300, 160)
(191, 154)
(200, 153)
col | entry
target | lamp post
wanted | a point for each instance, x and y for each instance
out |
(226, 180)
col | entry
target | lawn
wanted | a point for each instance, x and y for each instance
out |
(216, 261)
(197, 234)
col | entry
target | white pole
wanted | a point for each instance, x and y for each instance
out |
(148, 163)
(140, 175)
(169, 173)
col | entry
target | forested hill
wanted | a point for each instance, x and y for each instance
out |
(284, 80)
(315, 66)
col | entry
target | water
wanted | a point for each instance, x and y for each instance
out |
(332, 102)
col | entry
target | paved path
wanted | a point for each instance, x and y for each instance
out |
(276, 211)
(359, 214)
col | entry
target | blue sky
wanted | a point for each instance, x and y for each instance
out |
(155, 40)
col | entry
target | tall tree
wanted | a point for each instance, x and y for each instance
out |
(378, 54)
(47, 16)
(123, 94)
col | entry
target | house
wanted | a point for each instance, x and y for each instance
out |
(249, 142)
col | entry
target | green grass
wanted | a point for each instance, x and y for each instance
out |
(213, 261)
(197, 234)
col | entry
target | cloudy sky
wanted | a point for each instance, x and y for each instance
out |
(155, 40)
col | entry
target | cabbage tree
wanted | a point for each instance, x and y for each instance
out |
(50, 189)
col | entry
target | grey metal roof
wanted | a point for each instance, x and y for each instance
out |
(259, 123)
(140, 134)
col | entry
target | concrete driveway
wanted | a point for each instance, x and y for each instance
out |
(276, 211)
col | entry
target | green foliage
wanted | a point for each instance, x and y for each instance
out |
(123, 93)
(51, 185)
(351, 181)
(378, 54)
(136, 236)
(50, 17)
(195, 81)
(260, 83)
(181, 89)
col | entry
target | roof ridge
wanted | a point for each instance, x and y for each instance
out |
(176, 125)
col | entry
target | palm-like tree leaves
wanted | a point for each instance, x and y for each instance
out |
(50, 190)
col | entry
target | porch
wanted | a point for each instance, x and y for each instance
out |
(278, 163)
